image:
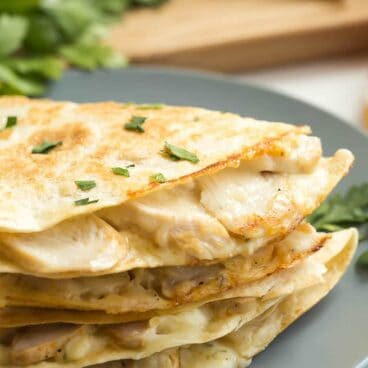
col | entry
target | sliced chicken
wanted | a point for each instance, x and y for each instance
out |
(213, 217)
(254, 204)
(172, 218)
(86, 244)
(37, 343)
(128, 335)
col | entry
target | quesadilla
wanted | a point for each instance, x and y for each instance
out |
(237, 349)
(219, 217)
(144, 289)
(64, 345)
(143, 236)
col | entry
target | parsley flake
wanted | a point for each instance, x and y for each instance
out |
(135, 123)
(122, 171)
(85, 201)
(85, 184)
(45, 147)
(177, 153)
(158, 178)
(10, 122)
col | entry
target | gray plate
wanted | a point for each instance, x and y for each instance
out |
(335, 332)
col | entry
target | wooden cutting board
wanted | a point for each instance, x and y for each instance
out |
(234, 35)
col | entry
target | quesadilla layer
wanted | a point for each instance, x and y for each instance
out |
(235, 211)
(282, 282)
(55, 144)
(142, 290)
(79, 346)
(237, 349)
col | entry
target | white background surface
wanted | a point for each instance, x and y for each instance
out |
(339, 86)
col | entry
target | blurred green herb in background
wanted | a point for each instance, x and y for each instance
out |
(343, 211)
(39, 38)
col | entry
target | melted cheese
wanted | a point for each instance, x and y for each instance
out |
(184, 225)
(218, 319)
(256, 204)
(159, 288)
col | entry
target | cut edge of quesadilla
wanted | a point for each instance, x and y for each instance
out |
(254, 336)
(142, 290)
(172, 331)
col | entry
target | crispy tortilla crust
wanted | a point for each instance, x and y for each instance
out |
(94, 140)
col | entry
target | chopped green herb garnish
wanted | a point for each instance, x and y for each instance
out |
(85, 184)
(150, 106)
(10, 122)
(158, 178)
(177, 153)
(46, 147)
(85, 201)
(135, 123)
(122, 171)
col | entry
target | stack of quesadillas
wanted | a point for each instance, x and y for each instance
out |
(157, 236)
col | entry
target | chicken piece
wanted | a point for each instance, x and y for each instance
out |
(37, 343)
(128, 335)
(95, 247)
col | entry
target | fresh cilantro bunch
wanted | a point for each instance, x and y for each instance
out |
(342, 211)
(39, 38)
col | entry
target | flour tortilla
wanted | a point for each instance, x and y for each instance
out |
(216, 320)
(237, 349)
(186, 225)
(143, 290)
(37, 191)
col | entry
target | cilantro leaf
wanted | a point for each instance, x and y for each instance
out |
(91, 56)
(44, 35)
(45, 147)
(342, 211)
(158, 178)
(12, 83)
(38, 38)
(135, 123)
(177, 153)
(112, 7)
(44, 67)
(13, 30)
(122, 171)
(19, 6)
(72, 16)
(11, 121)
(85, 201)
(85, 184)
